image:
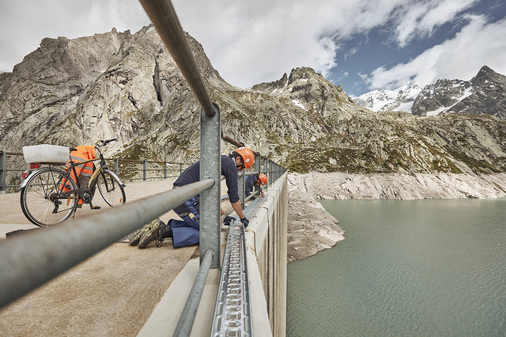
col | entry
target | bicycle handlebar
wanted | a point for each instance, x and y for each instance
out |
(97, 145)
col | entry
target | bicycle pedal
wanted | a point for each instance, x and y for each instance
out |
(95, 207)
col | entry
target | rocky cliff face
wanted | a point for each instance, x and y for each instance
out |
(123, 85)
(71, 92)
(483, 94)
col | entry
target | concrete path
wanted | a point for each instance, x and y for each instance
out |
(111, 294)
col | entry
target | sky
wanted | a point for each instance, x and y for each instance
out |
(362, 44)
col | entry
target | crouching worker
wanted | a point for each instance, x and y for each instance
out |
(185, 232)
(255, 180)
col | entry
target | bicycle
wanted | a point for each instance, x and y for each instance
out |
(49, 195)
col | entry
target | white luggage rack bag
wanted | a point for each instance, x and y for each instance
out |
(46, 153)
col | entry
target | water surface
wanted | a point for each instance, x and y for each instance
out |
(405, 268)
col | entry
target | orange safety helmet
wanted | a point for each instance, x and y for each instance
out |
(248, 158)
(263, 179)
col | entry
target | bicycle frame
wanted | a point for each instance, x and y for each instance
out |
(50, 185)
(82, 190)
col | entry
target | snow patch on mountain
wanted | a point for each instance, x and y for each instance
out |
(400, 99)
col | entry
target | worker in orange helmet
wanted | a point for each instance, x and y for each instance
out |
(185, 232)
(255, 180)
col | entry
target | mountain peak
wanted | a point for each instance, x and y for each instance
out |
(486, 74)
(400, 99)
(483, 94)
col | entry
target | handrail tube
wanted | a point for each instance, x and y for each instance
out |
(164, 18)
(232, 141)
(34, 258)
(237, 143)
(185, 323)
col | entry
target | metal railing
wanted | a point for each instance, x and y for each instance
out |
(35, 258)
(125, 169)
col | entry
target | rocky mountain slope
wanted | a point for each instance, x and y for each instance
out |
(483, 94)
(123, 85)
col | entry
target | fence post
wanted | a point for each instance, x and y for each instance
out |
(3, 170)
(165, 170)
(116, 167)
(266, 169)
(240, 186)
(144, 169)
(210, 167)
(258, 168)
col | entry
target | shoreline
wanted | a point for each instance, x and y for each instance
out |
(338, 186)
(312, 229)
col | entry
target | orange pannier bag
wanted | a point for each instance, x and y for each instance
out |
(83, 171)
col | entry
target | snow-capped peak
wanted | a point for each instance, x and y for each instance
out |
(400, 99)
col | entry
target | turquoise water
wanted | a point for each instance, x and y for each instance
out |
(405, 268)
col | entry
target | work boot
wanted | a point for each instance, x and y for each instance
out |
(136, 236)
(157, 233)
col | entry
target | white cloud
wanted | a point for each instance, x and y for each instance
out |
(254, 42)
(23, 24)
(421, 18)
(476, 45)
(250, 42)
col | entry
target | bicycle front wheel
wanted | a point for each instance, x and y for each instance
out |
(44, 199)
(111, 188)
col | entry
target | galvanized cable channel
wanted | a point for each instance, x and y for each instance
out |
(252, 207)
(232, 315)
(34, 258)
(184, 326)
(164, 18)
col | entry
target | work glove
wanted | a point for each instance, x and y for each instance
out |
(245, 222)
(228, 219)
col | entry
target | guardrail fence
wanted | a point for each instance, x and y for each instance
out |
(35, 258)
(12, 166)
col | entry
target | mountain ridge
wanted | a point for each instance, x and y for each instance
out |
(127, 86)
(485, 93)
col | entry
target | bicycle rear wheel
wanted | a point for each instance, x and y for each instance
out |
(43, 200)
(111, 188)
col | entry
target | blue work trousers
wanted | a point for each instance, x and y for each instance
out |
(187, 232)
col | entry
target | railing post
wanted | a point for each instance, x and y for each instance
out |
(3, 170)
(258, 168)
(266, 169)
(210, 167)
(165, 170)
(116, 166)
(144, 169)
(271, 173)
(241, 188)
